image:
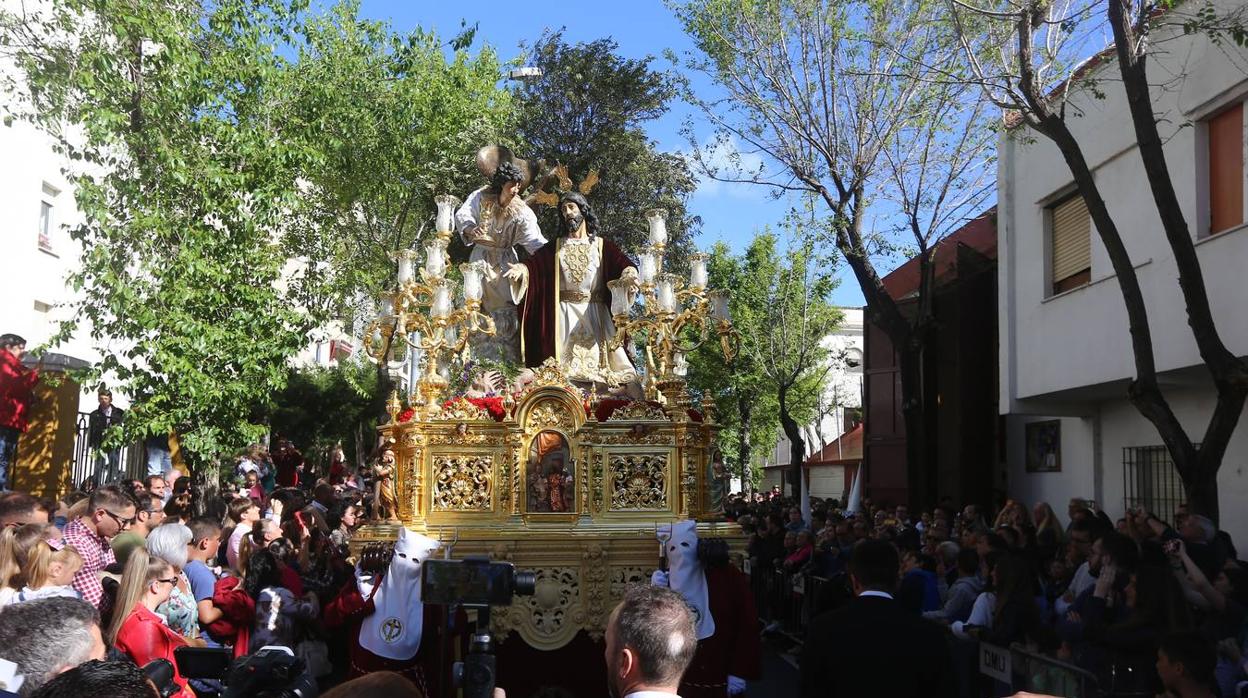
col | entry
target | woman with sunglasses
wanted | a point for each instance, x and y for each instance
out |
(141, 634)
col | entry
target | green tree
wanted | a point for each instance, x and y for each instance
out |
(342, 401)
(394, 122)
(781, 308)
(167, 116)
(588, 111)
(746, 405)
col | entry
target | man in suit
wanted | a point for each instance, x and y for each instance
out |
(108, 463)
(872, 646)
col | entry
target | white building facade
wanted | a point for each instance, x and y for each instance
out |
(1065, 352)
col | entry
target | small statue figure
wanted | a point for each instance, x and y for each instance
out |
(385, 501)
(557, 482)
(538, 489)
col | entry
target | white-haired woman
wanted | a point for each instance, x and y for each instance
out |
(168, 542)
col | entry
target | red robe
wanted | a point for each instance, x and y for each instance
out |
(537, 311)
(350, 609)
(735, 647)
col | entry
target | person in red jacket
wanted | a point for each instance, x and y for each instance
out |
(141, 634)
(726, 622)
(17, 386)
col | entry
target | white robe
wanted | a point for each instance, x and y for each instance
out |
(516, 225)
(584, 325)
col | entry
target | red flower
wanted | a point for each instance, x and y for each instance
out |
(407, 414)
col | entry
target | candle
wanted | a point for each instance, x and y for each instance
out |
(435, 258)
(621, 292)
(441, 300)
(658, 226)
(387, 307)
(667, 293)
(697, 271)
(719, 306)
(446, 210)
(646, 269)
(406, 271)
(473, 272)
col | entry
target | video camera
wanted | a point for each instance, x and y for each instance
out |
(475, 583)
(270, 672)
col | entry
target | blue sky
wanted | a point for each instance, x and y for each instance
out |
(730, 212)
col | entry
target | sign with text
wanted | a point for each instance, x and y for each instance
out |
(994, 661)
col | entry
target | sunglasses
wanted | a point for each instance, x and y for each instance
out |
(121, 521)
(171, 580)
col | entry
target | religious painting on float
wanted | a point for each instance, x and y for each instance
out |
(1044, 446)
(550, 484)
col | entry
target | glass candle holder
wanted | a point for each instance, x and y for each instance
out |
(441, 300)
(657, 218)
(666, 292)
(697, 270)
(407, 263)
(446, 212)
(621, 296)
(473, 273)
(646, 266)
(719, 305)
(435, 258)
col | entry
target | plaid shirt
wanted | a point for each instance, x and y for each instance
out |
(96, 555)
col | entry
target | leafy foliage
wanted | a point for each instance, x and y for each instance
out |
(240, 167)
(587, 111)
(341, 398)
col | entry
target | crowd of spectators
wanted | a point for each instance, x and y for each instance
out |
(1142, 603)
(128, 573)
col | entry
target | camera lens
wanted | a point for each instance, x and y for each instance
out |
(526, 583)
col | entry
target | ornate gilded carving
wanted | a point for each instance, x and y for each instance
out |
(689, 486)
(638, 410)
(462, 483)
(596, 460)
(594, 589)
(409, 496)
(462, 410)
(622, 576)
(551, 616)
(549, 414)
(547, 375)
(504, 478)
(463, 435)
(638, 481)
(639, 434)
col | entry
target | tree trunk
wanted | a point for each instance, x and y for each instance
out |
(1230, 374)
(797, 445)
(745, 449)
(910, 361)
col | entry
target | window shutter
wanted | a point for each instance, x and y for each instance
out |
(1072, 229)
(1226, 169)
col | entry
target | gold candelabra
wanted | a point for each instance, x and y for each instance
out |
(425, 306)
(677, 317)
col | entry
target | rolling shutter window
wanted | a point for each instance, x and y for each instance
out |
(1226, 169)
(1072, 253)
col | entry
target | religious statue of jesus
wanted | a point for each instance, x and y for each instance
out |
(492, 221)
(565, 307)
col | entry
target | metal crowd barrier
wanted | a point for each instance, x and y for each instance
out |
(785, 599)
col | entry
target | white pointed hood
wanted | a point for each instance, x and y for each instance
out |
(393, 630)
(685, 573)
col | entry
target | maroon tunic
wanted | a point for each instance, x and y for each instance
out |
(348, 611)
(537, 310)
(734, 648)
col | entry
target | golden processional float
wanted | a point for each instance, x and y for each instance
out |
(551, 477)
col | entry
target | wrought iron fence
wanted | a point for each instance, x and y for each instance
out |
(1150, 480)
(89, 462)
